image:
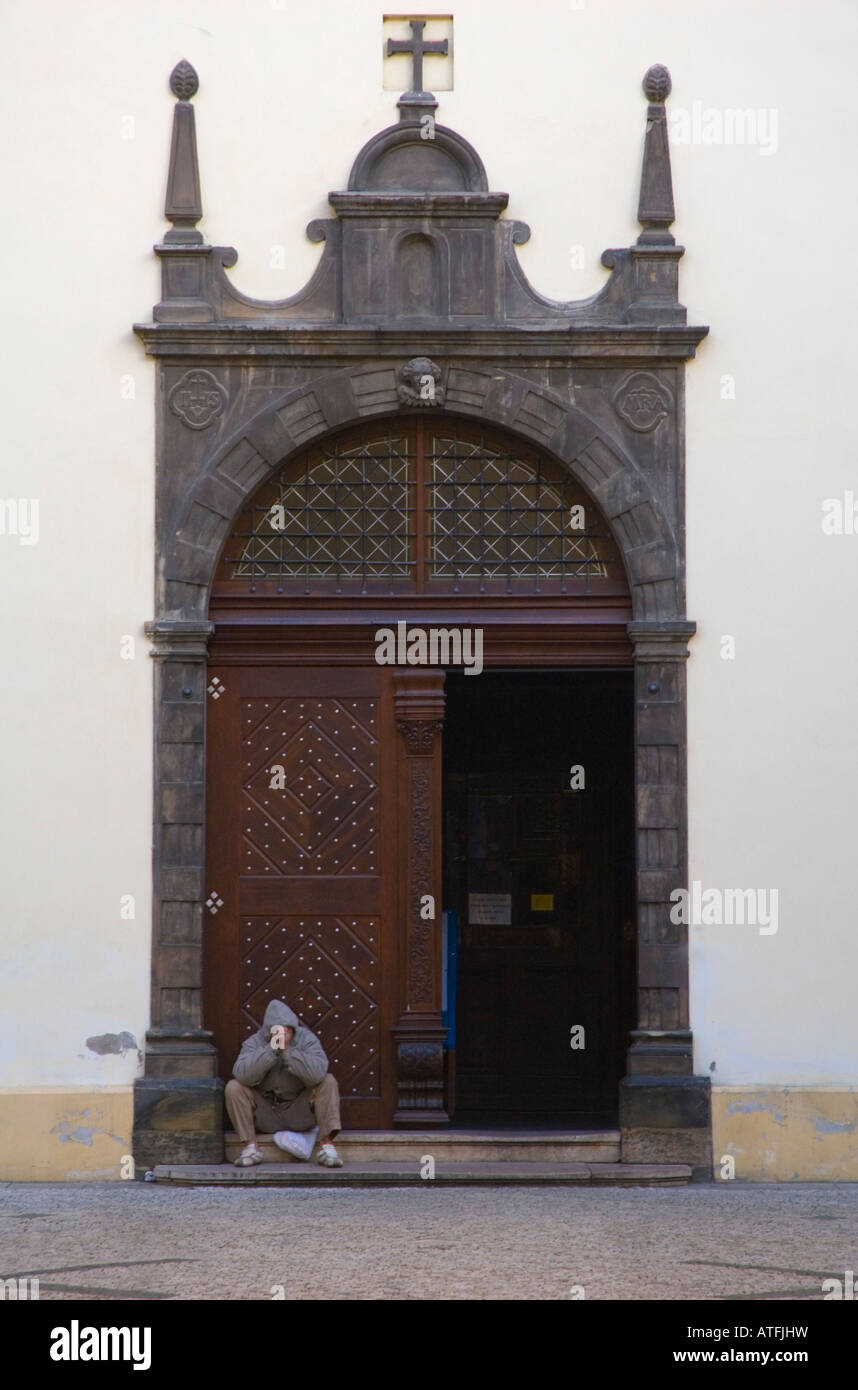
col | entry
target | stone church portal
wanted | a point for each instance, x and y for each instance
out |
(419, 436)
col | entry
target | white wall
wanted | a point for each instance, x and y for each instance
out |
(550, 96)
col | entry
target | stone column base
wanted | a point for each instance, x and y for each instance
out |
(667, 1119)
(177, 1120)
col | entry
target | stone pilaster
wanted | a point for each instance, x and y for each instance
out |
(664, 1108)
(178, 1103)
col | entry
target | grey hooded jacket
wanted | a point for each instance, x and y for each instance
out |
(282, 1074)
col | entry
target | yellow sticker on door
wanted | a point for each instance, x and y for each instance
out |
(542, 902)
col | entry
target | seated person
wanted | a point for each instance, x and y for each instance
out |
(281, 1079)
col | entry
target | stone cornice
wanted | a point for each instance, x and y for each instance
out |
(178, 638)
(418, 204)
(334, 343)
(661, 641)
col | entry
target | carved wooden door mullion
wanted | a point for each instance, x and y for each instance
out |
(419, 1033)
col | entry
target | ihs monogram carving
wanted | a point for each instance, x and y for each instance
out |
(198, 399)
(643, 402)
(420, 734)
(418, 382)
(419, 945)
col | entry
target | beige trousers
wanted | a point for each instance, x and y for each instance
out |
(251, 1113)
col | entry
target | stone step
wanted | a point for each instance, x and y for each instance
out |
(458, 1146)
(505, 1173)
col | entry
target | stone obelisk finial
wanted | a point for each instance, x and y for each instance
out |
(655, 208)
(184, 206)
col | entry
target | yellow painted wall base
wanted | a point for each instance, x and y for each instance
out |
(786, 1133)
(65, 1133)
(773, 1134)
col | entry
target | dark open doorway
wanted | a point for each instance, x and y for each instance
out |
(539, 894)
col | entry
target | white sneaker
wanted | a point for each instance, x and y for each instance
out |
(298, 1145)
(328, 1156)
(249, 1155)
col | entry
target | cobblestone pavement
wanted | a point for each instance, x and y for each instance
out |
(140, 1241)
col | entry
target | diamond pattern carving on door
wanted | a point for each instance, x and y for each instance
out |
(328, 970)
(310, 811)
(310, 787)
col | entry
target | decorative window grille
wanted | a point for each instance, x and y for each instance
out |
(498, 514)
(421, 507)
(344, 515)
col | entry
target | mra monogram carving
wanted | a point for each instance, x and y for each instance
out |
(418, 383)
(198, 399)
(642, 402)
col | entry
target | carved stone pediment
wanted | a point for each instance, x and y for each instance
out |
(418, 238)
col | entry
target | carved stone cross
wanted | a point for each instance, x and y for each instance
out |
(416, 46)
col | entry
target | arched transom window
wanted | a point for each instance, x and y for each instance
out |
(423, 505)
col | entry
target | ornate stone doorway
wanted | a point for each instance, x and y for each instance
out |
(419, 307)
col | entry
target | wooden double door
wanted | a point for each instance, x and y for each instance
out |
(326, 849)
(336, 809)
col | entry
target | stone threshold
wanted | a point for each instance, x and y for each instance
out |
(380, 1173)
(457, 1145)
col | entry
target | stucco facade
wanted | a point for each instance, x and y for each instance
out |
(282, 110)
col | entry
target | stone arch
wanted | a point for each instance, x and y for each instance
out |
(647, 542)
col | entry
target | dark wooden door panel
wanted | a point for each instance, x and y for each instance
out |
(300, 796)
(319, 895)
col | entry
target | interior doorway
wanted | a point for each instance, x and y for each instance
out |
(539, 894)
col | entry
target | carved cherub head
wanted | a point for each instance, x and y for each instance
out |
(418, 383)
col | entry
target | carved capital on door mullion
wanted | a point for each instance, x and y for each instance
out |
(420, 735)
(419, 707)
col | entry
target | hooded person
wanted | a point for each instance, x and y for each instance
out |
(282, 1086)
